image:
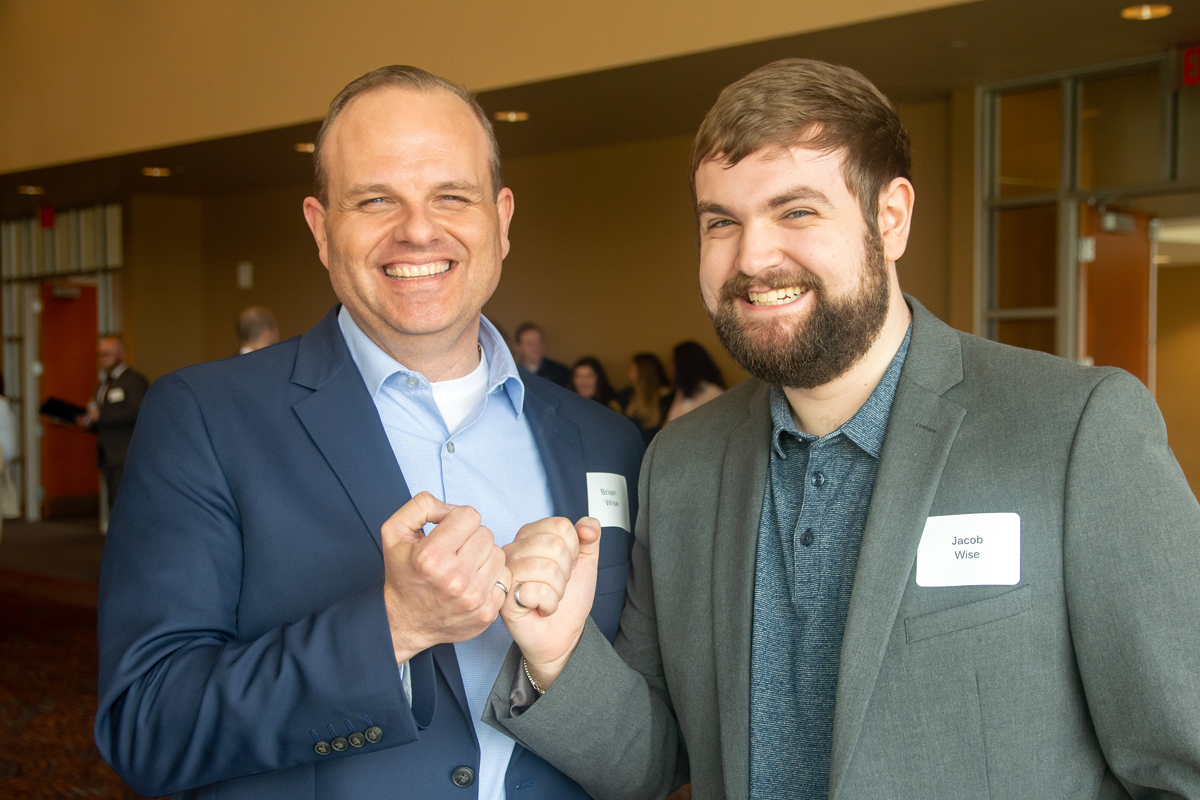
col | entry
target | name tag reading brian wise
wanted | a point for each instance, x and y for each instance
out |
(608, 499)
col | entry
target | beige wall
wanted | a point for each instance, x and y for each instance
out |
(603, 255)
(267, 229)
(85, 79)
(1178, 384)
(161, 283)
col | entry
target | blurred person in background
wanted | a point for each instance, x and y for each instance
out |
(647, 400)
(256, 329)
(113, 410)
(588, 379)
(529, 346)
(698, 379)
(10, 500)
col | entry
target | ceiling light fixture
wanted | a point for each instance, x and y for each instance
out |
(510, 116)
(156, 172)
(1145, 12)
(30, 190)
(306, 147)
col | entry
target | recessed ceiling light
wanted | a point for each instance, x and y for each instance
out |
(305, 147)
(30, 190)
(1145, 12)
(510, 116)
(156, 172)
(1162, 259)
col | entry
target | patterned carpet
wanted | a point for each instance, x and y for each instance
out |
(48, 692)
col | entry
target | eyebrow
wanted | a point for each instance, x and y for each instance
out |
(445, 186)
(802, 193)
(705, 207)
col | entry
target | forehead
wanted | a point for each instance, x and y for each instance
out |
(405, 129)
(769, 171)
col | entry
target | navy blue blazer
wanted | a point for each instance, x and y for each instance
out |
(241, 606)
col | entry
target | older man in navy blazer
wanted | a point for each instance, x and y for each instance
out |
(300, 589)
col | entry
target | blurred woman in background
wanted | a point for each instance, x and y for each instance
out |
(650, 396)
(697, 379)
(589, 380)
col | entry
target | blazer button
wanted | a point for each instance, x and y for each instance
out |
(339, 743)
(322, 748)
(356, 739)
(463, 777)
(374, 734)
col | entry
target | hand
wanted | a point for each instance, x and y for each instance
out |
(554, 563)
(441, 587)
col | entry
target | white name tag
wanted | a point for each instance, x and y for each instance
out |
(970, 550)
(116, 395)
(608, 499)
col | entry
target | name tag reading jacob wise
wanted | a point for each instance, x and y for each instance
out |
(608, 499)
(970, 550)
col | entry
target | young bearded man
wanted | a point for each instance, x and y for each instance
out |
(901, 562)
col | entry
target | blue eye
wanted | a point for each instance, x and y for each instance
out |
(798, 213)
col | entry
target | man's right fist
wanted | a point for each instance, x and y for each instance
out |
(441, 587)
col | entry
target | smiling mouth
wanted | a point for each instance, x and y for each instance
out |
(775, 297)
(410, 271)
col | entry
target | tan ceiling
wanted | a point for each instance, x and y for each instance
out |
(912, 58)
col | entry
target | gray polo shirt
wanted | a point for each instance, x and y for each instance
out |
(814, 510)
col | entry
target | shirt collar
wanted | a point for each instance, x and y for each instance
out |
(868, 425)
(376, 366)
(117, 370)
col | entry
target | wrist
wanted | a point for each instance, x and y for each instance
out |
(542, 673)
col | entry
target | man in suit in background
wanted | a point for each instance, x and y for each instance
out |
(299, 597)
(902, 561)
(113, 410)
(256, 329)
(530, 347)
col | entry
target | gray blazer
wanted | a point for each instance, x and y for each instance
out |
(1081, 681)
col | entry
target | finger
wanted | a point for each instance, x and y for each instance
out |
(555, 570)
(477, 550)
(456, 528)
(407, 523)
(588, 531)
(535, 596)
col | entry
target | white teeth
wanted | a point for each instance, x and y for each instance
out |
(417, 271)
(776, 297)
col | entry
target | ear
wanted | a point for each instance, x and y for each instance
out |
(895, 217)
(504, 209)
(314, 215)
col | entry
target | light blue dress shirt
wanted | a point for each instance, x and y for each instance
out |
(490, 462)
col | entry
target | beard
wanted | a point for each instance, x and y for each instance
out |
(821, 346)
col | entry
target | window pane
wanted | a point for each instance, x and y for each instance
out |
(1189, 133)
(1032, 334)
(1030, 138)
(1026, 257)
(1121, 140)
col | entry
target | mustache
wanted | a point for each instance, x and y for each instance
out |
(739, 285)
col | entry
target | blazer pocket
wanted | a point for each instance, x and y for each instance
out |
(971, 615)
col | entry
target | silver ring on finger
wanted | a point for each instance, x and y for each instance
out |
(503, 588)
(517, 595)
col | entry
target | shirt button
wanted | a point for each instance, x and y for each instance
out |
(449, 447)
(818, 479)
(806, 538)
(413, 381)
(463, 777)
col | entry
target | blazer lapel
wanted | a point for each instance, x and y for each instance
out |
(921, 430)
(343, 422)
(560, 445)
(735, 546)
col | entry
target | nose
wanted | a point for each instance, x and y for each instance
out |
(758, 250)
(417, 226)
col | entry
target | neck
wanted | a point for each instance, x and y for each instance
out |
(823, 409)
(439, 357)
(532, 366)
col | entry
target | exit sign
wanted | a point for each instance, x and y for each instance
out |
(1191, 66)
